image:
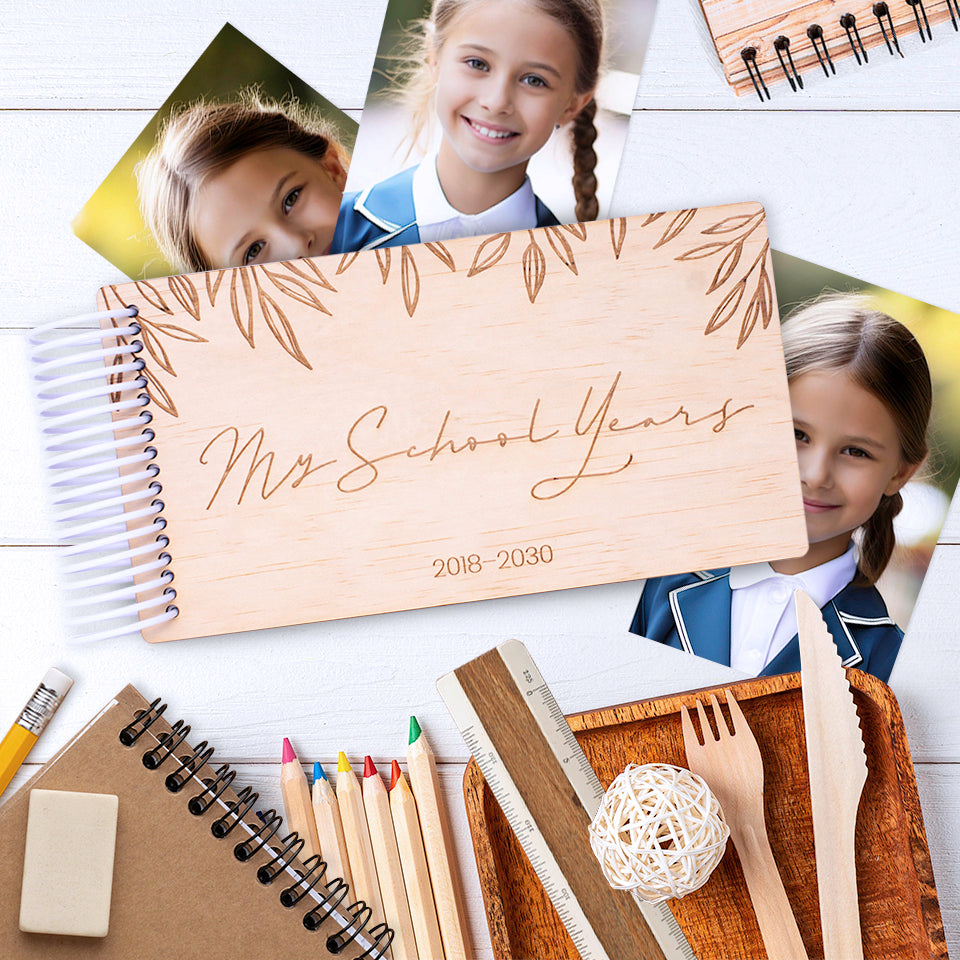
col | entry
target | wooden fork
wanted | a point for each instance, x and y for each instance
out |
(733, 769)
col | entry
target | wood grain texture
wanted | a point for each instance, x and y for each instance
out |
(758, 23)
(837, 771)
(554, 806)
(856, 171)
(544, 455)
(733, 769)
(899, 908)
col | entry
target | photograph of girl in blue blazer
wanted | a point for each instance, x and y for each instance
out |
(498, 76)
(861, 396)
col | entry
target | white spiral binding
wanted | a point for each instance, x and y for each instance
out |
(106, 497)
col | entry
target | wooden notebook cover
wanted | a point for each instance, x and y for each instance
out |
(758, 23)
(900, 913)
(177, 891)
(481, 418)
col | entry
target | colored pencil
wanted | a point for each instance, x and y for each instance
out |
(30, 724)
(438, 843)
(326, 813)
(357, 835)
(296, 801)
(376, 803)
(413, 860)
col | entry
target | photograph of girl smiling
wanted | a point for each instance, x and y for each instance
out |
(875, 406)
(486, 116)
(243, 163)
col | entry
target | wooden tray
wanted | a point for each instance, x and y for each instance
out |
(900, 913)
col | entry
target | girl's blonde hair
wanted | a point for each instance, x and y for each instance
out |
(582, 19)
(848, 333)
(203, 139)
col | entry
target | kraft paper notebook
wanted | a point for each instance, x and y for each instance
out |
(180, 886)
(403, 428)
(762, 42)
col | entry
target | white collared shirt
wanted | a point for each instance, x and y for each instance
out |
(763, 617)
(438, 220)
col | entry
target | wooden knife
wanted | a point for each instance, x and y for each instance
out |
(838, 769)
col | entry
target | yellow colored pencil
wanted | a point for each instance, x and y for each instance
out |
(438, 842)
(413, 860)
(296, 801)
(30, 724)
(326, 813)
(376, 803)
(357, 835)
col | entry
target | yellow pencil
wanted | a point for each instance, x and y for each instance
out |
(416, 874)
(376, 803)
(30, 724)
(357, 835)
(326, 813)
(438, 842)
(296, 801)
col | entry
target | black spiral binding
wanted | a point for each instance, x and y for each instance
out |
(848, 22)
(328, 894)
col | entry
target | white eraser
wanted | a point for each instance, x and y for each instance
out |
(68, 863)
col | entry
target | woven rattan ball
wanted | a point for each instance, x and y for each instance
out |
(659, 832)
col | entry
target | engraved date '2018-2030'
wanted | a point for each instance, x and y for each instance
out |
(231, 453)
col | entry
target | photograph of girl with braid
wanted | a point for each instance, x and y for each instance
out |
(874, 380)
(485, 116)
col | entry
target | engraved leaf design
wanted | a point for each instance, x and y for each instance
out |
(178, 333)
(158, 393)
(766, 296)
(152, 295)
(488, 253)
(186, 294)
(561, 248)
(213, 285)
(618, 232)
(730, 224)
(761, 303)
(728, 307)
(296, 289)
(115, 379)
(534, 268)
(279, 325)
(442, 254)
(383, 262)
(727, 265)
(579, 230)
(310, 272)
(346, 261)
(155, 348)
(651, 218)
(749, 320)
(409, 280)
(701, 253)
(675, 227)
(240, 291)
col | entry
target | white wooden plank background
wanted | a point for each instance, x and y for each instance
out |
(859, 172)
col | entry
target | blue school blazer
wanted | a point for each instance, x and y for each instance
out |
(691, 611)
(383, 216)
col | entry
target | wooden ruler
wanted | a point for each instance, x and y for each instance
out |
(549, 793)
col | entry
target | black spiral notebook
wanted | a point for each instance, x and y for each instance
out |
(762, 42)
(196, 873)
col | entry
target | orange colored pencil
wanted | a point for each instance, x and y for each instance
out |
(413, 860)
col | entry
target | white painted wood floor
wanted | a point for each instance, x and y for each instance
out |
(859, 172)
